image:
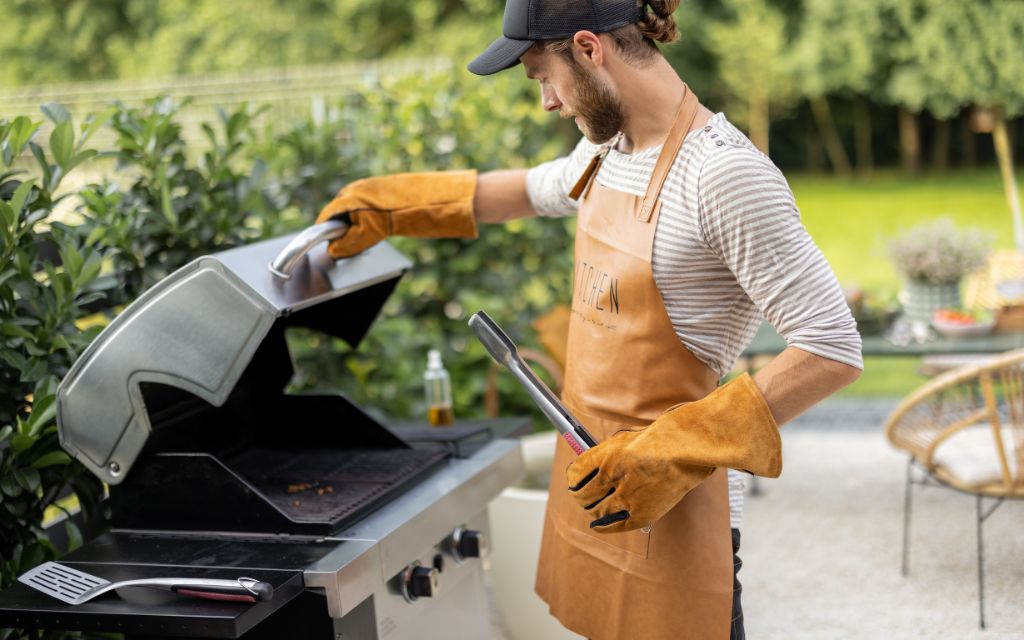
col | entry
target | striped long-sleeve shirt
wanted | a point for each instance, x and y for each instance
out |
(728, 250)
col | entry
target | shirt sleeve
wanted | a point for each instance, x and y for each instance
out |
(548, 185)
(749, 218)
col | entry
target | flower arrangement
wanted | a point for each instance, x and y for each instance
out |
(937, 252)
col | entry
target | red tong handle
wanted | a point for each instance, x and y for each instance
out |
(249, 591)
(575, 446)
(216, 595)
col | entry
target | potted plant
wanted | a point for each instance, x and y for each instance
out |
(933, 257)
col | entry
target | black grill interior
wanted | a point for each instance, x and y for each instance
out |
(331, 487)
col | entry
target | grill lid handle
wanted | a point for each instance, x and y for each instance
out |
(286, 261)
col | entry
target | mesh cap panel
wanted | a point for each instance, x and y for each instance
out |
(553, 19)
(527, 21)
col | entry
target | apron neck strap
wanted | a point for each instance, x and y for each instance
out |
(685, 116)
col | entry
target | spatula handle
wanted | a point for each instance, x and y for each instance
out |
(214, 595)
(241, 590)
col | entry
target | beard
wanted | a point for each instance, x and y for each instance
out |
(600, 112)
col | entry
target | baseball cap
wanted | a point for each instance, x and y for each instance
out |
(528, 21)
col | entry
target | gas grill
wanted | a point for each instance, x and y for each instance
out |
(214, 471)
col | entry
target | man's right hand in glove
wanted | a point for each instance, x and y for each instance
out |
(426, 205)
(633, 478)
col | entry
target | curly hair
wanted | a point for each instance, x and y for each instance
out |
(636, 42)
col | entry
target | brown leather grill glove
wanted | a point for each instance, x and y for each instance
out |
(428, 205)
(635, 477)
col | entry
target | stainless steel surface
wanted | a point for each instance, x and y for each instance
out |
(380, 547)
(458, 611)
(197, 330)
(75, 587)
(505, 353)
(315, 280)
(286, 261)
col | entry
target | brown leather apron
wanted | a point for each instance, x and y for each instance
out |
(625, 366)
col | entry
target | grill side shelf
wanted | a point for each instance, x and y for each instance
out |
(22, 607)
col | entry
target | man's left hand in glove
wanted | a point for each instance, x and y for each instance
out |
(635, 477)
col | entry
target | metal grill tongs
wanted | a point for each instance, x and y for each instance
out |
(75, 587)
(505, 353)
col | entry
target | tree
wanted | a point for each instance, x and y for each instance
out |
(62, 40)
(750, 42)
(957, 54)
(68, 40)
(842, 49)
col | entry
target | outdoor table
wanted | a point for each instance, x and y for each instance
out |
(768, 342)
(946, 352)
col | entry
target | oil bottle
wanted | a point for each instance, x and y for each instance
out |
(438, 386)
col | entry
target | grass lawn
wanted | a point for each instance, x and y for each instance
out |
(853, 221)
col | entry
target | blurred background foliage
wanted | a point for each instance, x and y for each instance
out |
(516, 271)
(882, 81)
(889, 80)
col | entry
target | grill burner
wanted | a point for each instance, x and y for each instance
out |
(356, 478)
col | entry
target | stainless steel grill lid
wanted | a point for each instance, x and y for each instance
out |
(199, 328)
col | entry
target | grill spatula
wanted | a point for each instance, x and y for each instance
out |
(75, 587)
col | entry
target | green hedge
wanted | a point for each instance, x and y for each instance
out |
(515, 271)
(67, 253)
(40, 303)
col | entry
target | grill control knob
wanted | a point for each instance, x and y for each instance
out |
(420, 582)
(467, 543)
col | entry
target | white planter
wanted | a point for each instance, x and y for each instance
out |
(922, 299)
(517, 521)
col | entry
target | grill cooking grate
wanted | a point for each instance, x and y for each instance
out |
(313, 485)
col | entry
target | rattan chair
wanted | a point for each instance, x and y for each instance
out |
(965, 430)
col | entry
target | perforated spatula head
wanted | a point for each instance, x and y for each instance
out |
(62, 582)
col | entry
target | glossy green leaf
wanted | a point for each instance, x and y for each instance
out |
(62, 144)
(74, 535)
(10, 486)
(50, 459)
(20, 132)
(21, 195)
(93, 123)
(55, 112)
(44, 411)
(27, 478)
(22, 442)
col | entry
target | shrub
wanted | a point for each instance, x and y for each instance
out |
(517, 271)
(171, 204)
(47, 277)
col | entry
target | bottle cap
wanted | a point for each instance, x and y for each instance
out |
(434, 359)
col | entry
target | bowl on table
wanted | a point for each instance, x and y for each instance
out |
(959, 324)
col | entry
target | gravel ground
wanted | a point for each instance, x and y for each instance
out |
(821, 544)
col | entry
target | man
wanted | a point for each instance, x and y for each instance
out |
(686, 236)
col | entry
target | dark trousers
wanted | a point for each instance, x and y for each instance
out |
(736, 631)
